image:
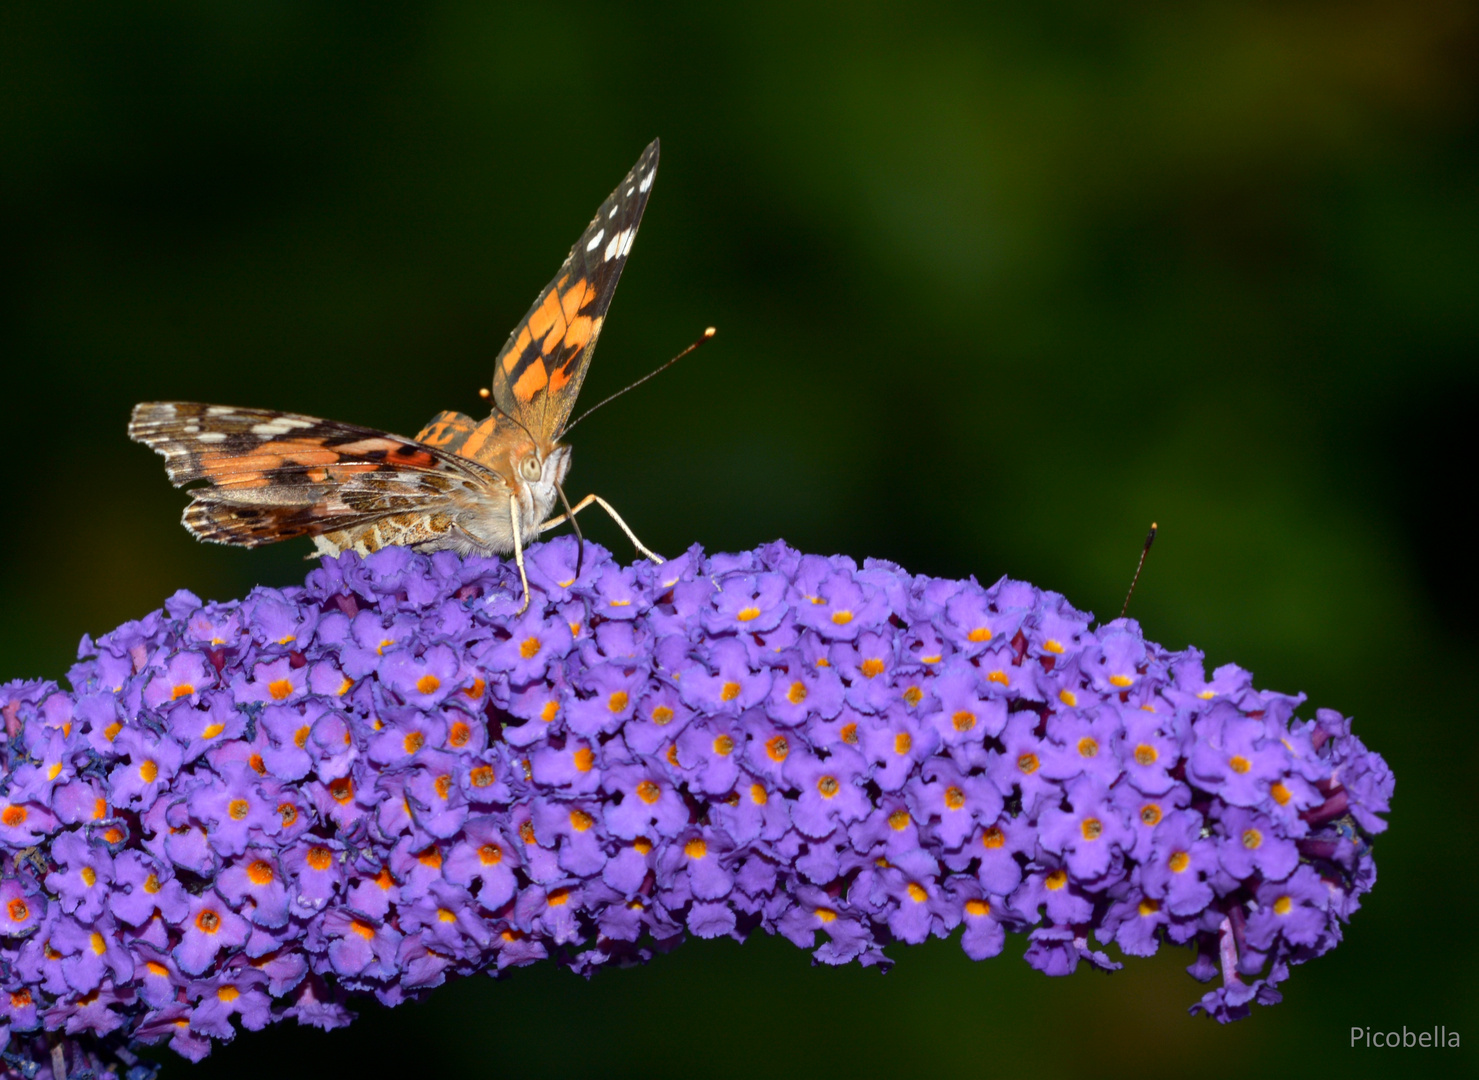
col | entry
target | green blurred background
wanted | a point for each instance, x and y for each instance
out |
(994, 291)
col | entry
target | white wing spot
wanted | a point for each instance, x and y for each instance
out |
(213, 437)
(627, 238)
(596, 240)
(281, 426)
(611, 215)
(629, 192)
(646, 181)
(220, 410)
(613, 247)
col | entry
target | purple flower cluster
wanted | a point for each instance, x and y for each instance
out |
(243, 811)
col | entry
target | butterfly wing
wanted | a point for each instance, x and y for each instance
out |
(538, 374)
(274, 475)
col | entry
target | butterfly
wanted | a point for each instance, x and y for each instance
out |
(460, 485)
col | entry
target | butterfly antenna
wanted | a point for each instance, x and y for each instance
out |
(579, 538)
(484, 393)
(707, 334)
(1150, 539)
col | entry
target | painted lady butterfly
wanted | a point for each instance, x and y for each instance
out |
(459, 485)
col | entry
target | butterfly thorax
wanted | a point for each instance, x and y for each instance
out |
(481, 524)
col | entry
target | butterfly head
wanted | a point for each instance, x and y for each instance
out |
(535, 473)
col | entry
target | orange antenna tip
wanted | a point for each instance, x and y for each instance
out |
(709, 332)
(484, 393)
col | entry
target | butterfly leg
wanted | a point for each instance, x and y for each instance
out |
(513, 516)
(642, 548)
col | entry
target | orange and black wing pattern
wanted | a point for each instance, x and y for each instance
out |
(272, 475)
(539, 372)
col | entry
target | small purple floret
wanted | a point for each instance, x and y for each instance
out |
(389, 776)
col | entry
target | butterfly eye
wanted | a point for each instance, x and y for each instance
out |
(530, 468)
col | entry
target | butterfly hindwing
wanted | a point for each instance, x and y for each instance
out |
(539, 371)
(272, 475)
(448, 430)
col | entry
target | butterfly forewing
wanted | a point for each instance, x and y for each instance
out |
(539, 371)
(272, 475)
